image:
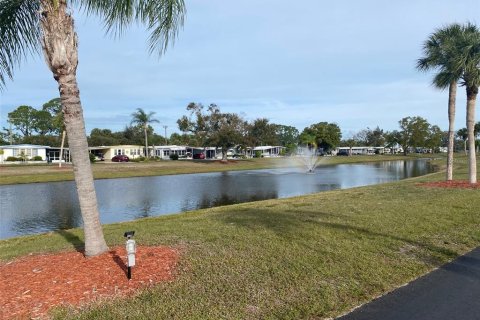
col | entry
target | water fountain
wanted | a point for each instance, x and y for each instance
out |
(308, 158)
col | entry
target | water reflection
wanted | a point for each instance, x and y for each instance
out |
(41, 207)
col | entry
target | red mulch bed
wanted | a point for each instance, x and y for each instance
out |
(460, 184)
(34, 284)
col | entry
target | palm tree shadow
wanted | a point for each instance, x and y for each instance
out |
(73, 239)
(284, 223)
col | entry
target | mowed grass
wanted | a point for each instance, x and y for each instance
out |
(306, 257)
(15, 174)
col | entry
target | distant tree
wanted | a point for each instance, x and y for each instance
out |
(227, 131)
(434, 138)
(287, 136)
(197, 122)
(54, 107)
(23, 119)
(102, 137)
(143, 119)
(223, 130)
(183, 139)
(392, 139)
(351, 142)
(262, 133)
(413, 132)
(326, 135)
(462, 134)
(43, 122)
(375, 137)
(361, 137)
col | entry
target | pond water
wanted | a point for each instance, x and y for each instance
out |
(42, 207)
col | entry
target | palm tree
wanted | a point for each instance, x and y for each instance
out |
(463, 134)
(27, 26)
(469, 61)
(439, 50)
(143, 120)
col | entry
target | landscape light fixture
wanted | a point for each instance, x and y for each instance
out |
(131, 248)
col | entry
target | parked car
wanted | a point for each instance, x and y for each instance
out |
(343, 153)
(120, 158)
(199, 156)
(99, 157)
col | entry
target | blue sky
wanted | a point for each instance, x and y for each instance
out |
(293, 62)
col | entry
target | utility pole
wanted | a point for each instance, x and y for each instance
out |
(166, 140)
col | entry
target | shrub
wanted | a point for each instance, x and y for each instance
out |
(139, 159)
(37, 158)
(92, 157)
(258, 154)
(12, 159)
(174, 156)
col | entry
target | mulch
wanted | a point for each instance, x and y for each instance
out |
(34, 284)
(459, 184)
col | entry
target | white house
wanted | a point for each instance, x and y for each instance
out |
(28, 152)
(25, 151)
(164, 152)
(132, 151)
(266, 151)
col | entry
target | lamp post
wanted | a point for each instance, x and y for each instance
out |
(166, 141)
(131, 248)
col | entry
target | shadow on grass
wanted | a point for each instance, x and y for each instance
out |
(284, 224)
(73, 239)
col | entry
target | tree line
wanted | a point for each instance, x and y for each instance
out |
(209, 126)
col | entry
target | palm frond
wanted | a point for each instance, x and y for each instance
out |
(443, 79)
(163, 18)
(19, 34)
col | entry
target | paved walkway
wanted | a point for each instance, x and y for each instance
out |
(451, 292)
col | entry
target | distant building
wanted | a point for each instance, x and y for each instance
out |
(28, 152)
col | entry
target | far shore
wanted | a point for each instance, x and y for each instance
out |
(19, 174)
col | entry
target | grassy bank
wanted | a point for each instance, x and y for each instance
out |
(313, 256)
(15, 174)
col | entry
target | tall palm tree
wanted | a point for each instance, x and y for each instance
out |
(29, 26)
(143, 119)
(439, 50)
(469, 61)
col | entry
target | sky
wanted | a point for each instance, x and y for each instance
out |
(294, 62)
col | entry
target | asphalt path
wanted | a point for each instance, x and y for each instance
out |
(451, 292)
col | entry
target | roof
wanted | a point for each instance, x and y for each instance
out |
(266, 147)
(24, 146)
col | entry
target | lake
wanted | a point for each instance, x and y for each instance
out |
(41, 207)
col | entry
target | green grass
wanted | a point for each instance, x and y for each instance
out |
(16, 174)
(306, 257)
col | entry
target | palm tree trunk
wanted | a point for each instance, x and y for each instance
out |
(146, 142)
(452, 93)
(61, 53)
(472, 161)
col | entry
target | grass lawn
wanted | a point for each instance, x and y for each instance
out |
(13, 174)
(314, 256)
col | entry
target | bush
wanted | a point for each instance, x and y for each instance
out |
(174, 156)
(139, 159)
(37, 158)
(258, 154)
(92, 157)
(13, 159)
